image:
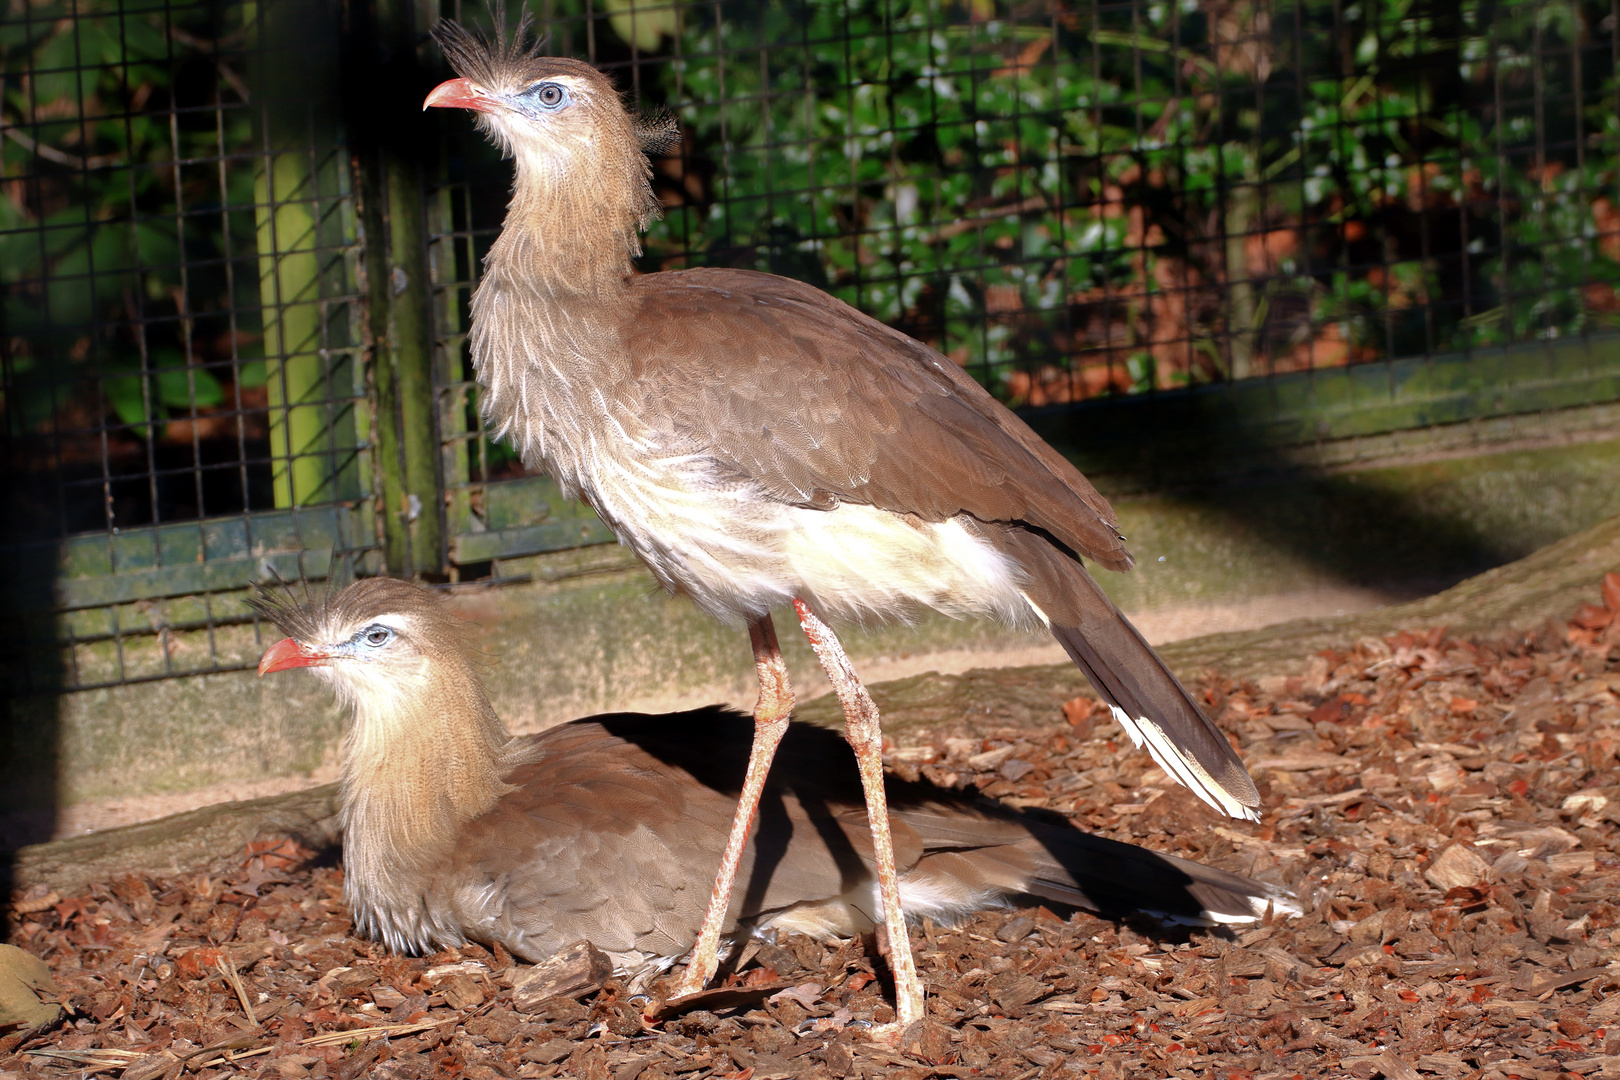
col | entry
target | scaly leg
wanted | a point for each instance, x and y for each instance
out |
(770, 724)
(862, 729)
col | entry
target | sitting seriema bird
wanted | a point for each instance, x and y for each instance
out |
(610, 829)
(757, 442)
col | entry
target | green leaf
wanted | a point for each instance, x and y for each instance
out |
(174, 382)
(253, 374)
(124, 394)
(179, 389)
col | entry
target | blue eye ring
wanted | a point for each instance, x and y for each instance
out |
(548, 95)
(375, 636)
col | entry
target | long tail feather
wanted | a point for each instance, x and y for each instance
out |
(1147, 700)
(981, 850)
(1071, 867)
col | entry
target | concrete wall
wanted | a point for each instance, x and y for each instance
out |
(590, 632)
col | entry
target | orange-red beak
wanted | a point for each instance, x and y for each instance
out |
(288, 653)
(457, 94)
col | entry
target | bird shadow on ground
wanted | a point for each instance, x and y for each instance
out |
(1214, 457)
(945, 834)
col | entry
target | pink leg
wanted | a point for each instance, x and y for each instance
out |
(770, 724)
(862, 729)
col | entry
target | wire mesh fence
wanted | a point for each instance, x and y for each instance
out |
(1141, 196)
(204, 379)
(1082, 200)
(180, 351)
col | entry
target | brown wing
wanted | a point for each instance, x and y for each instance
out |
(814, 401)
(615, 831)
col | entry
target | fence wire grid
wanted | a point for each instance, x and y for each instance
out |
(179, 353)
(1074, 200)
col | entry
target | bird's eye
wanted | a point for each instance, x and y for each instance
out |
(377, 636)
(549, 95)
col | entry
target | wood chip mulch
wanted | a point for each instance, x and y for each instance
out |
(1447, 810)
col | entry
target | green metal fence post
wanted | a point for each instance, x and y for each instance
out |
(289, 278)
(387, 84)
(296, 87)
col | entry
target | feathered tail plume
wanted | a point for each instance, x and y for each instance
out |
(660, 133)
(1071, 867)
(1150, 704)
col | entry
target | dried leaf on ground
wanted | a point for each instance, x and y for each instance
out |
(1446, 808)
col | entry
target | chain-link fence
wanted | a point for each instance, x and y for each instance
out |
(224, 226)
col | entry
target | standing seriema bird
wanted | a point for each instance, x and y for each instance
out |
(609, 829)
(757, 442)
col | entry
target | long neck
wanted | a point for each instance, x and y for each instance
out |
(548, 318)
(573, 225)
(418, 765)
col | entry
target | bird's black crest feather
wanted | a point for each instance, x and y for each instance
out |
(483, 59)
(323, 610)
(281, 606)
(480, 58)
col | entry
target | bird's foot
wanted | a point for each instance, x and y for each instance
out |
(886, 1034)
(692, 983)
(924, 1039)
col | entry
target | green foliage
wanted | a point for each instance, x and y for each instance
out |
(1172, 191)
(108, 247)
(171, 386)
(1069, 199)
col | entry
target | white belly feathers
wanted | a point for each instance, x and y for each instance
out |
(737, 552)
